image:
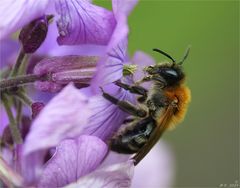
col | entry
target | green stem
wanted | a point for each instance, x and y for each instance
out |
(21, 80)
(18, 63)
(24, 98)
(22, 68)
(16, 135)
(19, 112)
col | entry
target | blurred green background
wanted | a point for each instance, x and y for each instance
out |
(206, 144)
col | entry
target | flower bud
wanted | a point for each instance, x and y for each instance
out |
(33, 34)
(36, 108)
(65, 69)
(7, 137)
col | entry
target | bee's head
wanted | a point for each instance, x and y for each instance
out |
(169, 73)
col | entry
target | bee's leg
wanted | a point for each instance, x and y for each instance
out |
(136, 89)
(133, 89)
(144, 79)
(125, 106)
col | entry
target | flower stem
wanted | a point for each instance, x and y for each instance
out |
(19, 112)
(22, 80)
(8, 176)
(24, 98)
(18, 63)
(16, 135)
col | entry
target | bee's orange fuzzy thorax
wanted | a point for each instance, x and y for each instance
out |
(183, 95)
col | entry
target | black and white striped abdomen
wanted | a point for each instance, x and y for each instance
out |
(132, 139)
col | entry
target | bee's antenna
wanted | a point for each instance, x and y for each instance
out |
(185, 55)
(164, 53)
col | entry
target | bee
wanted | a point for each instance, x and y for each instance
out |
(160, 108)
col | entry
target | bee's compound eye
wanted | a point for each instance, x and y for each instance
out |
(171, 72)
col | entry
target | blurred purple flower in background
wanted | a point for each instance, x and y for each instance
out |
(66, 144)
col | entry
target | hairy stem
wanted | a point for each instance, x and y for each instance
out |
(21, 80)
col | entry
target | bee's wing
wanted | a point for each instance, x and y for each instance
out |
(157, 133)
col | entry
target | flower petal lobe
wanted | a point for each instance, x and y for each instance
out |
(73, 159)
(63, 117)
(83, 23)
(118, 175)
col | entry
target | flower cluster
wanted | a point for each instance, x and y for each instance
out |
(71, 49)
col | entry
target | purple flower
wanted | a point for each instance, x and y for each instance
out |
(66, 145)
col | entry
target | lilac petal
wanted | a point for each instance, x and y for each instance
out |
(65, 69)
(15, 14)
(51, 47)
(61, 118)
(72, 160)
(159, 162)
(8, 52)
(121, 10)
(110, 68)
(114, 158)
(32, 166)
(123, 7)
(107, 117)
(118, 175)
(83, 23)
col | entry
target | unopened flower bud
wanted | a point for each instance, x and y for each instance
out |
(65, 69)
(33, 34)
(7, 137)
(36, 108)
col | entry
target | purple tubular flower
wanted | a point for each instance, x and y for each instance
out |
(91, 33)
(77, 122)
(69, 123)
(83, 23)
(65, 69)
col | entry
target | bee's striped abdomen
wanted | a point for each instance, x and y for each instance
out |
(131, 140)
